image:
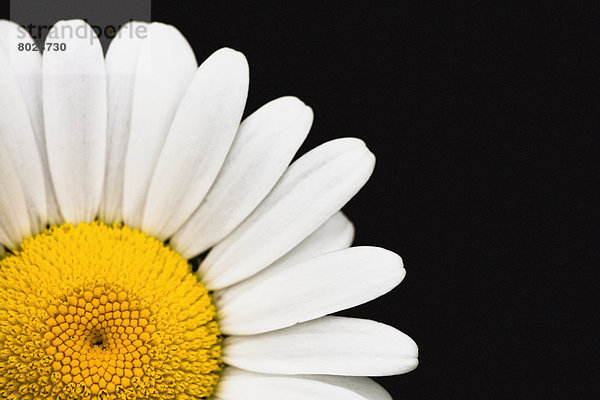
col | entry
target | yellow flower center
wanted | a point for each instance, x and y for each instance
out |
(104, 312)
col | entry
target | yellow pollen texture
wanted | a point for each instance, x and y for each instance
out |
(104, 312)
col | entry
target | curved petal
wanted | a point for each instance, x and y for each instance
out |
(324, 178)
(121, 65)
(14, 220)
(365, 387)
(314, 288)
(329, 345)
(17, 134)
(198, 141)
(27, 66)
(261, 151)
(237, 384)
(335, 234)
(165, 68)
(75, 119)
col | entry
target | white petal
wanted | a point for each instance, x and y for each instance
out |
(329, 345)
(198, 141)
(27, 66)
(14, 220)
(335, 234)
(165, 68)
(365, 387)
(262, 149)
(75, 118)
(313, 188)
(17, 134)
(319, 286)
(121, 65)
(237, 384)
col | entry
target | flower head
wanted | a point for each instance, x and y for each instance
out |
(118, 174)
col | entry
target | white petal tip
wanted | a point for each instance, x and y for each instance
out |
(407, 366)
(289, 100)
(227, 58)
(228, 51)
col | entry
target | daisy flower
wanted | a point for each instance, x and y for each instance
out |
(155, 246)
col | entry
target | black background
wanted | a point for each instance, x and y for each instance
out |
(482, 119)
